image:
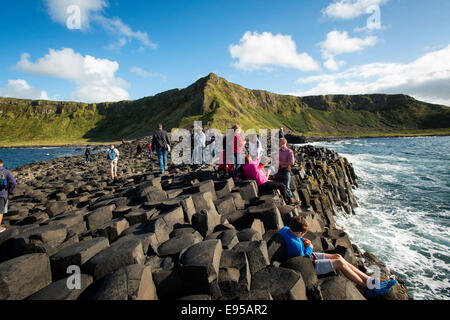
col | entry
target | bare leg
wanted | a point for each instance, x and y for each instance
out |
(112, 170)
(361, 274)
(348, 272)
(1, 218)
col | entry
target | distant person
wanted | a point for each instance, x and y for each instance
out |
(7, 187)
(150, 153)
(212, 143)
(113, 156)
(238, 147)
(138, 149)
(325, 263)
(192, 143)
(161, 144)
(123, 141)
(254, 171)
(255, 149)
(87, 154)
(281, 133)
(286, 161)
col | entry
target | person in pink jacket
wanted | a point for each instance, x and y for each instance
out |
(253, 171)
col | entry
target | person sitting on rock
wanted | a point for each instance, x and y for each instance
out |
(7, 187)
(326, 263)
(254, 171)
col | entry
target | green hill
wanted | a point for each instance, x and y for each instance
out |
(219, 104)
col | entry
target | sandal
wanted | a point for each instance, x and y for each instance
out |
(2, 229)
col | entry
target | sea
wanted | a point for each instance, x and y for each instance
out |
(403, 215)
(404, 207)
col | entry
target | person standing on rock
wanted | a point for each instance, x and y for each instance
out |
(238, 147)
(286, 161)
(150, 153)
(255, 149)
(281, 134)
(325, 263)
(7, 187)
(161, 144)
(87, 154)
(113, 156)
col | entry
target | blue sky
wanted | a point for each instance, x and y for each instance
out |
(131, 49)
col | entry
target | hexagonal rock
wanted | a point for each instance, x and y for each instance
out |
(99, 217)
(256, 252)
(141, 215)
(42, 239)
(168, 284)
(112, 230)
(248, 235)
(234, 276)
(55, 208)
(164, 223)
(132, 282)
(152, 194)
(223, 188)
(276, 246)
(228, 238)
(77, 254)
(248, 190)
(282, 283)
(118, 255)
(205, 186)
(339, 288)
(149, 240)
(205, 221)
(176, 244)
(23, 276)
(305, 267)
(199, 266)
(225, 205)
(203, 200)
(185, 201)
(73, 222)
(59, 290)
(269, 214)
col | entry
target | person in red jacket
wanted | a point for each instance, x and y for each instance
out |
(238, 147)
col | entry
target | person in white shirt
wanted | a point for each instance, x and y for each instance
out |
(199, 146)
(254, 147)
(113, 156)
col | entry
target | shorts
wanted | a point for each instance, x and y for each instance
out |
(3, 205)
(114, 162)
(322, 265)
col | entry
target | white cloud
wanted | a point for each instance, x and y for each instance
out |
(350, 9)
(263, 51)
(117, 27)
(427, 78)
(145, 74)
(22, 90)
(92, 11)
(95, 78)
(338, 43)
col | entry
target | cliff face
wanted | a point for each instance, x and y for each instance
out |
(219, 104)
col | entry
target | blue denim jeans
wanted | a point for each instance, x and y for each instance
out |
(162, 158)
(285, 178)
(237, 161)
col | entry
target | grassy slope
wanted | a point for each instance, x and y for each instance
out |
(219, 104)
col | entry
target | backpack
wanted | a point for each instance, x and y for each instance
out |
(3, 180)
(111, 155)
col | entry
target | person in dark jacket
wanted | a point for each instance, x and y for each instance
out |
(7, 187)
(87, 153)
(281, 134)
(161, 144)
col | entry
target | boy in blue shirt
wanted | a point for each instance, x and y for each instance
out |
(325, 263)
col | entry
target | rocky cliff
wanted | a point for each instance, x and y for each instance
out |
(219, 104)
